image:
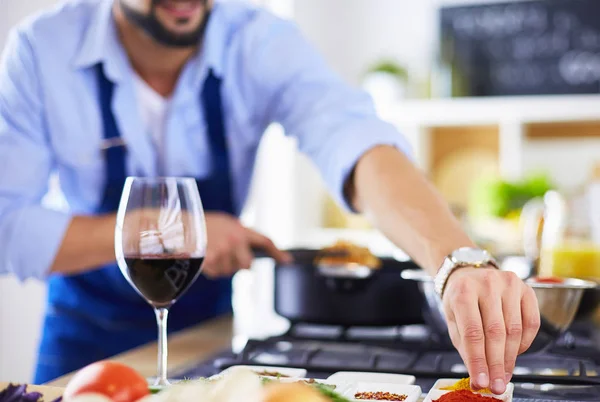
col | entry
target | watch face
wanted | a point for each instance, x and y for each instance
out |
(470, 256)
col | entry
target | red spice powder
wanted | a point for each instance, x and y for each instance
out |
(465, 396)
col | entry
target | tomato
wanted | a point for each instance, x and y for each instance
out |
(117, 381)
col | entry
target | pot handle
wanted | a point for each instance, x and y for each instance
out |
(260, 253)
(416, 275)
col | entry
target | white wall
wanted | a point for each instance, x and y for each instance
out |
(21, 304)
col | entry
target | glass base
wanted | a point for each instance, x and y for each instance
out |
(154, 385)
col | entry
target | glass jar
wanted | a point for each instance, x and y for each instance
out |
(561, 234)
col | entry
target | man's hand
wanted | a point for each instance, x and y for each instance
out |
(229, 246)
(492, 316)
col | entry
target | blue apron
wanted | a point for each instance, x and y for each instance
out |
(97, 314)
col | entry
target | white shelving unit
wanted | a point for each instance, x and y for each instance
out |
(477, 111)
(510, 114)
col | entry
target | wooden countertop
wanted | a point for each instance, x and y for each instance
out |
(185, 348)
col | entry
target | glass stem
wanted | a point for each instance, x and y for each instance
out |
(161, 319)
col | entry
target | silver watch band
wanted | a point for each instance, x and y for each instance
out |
(460, 258)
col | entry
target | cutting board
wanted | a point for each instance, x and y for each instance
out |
(49, 393)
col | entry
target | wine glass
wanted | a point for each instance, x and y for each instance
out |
(160, 244)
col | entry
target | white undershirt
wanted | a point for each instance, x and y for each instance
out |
(154, 111)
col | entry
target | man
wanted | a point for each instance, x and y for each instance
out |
(98, 90)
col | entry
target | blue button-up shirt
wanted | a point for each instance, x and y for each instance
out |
(50, 118)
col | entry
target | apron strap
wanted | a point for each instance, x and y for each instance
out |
(218, 194)
(113, 148)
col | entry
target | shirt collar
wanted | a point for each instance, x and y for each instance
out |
(213, 50)
(101, 44)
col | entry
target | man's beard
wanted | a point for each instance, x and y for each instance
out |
(152, 26)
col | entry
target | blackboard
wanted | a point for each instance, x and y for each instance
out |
(527, 47)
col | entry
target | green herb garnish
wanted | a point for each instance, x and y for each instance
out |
(329, 393)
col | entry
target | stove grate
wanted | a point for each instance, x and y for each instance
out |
(572, 363)
(331, 357)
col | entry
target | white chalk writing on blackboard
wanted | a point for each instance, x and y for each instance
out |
(501, 21)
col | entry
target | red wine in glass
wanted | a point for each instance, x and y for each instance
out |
(162, 279)
(160, 244)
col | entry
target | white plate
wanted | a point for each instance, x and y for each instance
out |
(289, 372)
(350, 377)
(412, 392)
(337, 388)
(436, 392)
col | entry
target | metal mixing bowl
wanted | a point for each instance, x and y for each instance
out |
(525, 267)
(558, 304)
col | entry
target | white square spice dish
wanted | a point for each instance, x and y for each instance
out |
(271, 371)
(436, 392)
(350, 377)
(412, 392)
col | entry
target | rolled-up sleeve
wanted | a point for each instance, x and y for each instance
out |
(30, 234)
(335, 123)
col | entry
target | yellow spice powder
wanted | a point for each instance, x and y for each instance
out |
(465, 383)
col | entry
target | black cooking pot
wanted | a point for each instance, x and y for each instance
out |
(308, 293)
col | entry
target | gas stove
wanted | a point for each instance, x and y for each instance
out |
(568, 370)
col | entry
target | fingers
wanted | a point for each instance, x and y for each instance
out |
(530, 318)
(218, 262)
(235, 253)
(492, 318)
(238, 252)
(209, 266)
(227, 260)
(453, 329)
(470, 331)
(242, 256)
(495, 336)
(258, 240)
(511, 308)
(230, 247)
(458, 344)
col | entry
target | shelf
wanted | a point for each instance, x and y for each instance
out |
(493, 110)
(562, 130)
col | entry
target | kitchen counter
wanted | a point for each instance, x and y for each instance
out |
(203, 342)
(185, 347)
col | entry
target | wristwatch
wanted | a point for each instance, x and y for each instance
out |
(460, 258)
